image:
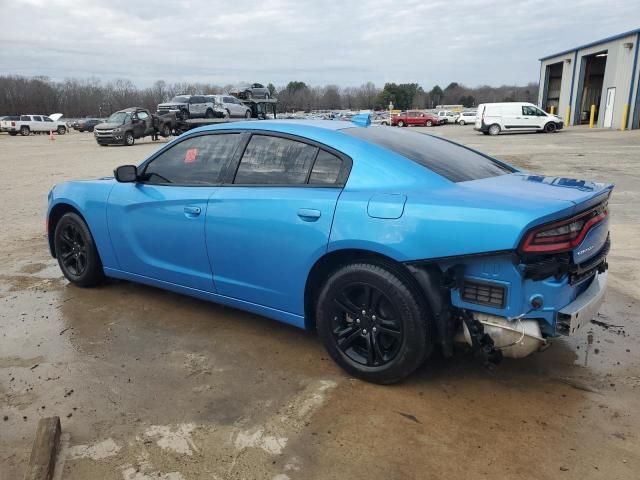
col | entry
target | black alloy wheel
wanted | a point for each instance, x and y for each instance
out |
(373, 322)
(366, 326)
(76, 251)
(73, 250)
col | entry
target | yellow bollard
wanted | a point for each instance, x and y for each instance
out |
(567, 118)
(592, 117)
(625, 115)
(552, 109)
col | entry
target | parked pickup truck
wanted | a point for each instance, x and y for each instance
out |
(27, 124)
(191, 106)
(125, 126)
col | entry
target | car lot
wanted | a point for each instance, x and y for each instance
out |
(150, 384)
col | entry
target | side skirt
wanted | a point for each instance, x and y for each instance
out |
(279, 315)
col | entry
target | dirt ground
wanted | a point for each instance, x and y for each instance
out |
(150, 384)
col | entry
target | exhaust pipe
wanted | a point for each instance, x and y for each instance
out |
(516, 338)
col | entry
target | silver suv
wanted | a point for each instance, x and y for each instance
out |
(190, 106)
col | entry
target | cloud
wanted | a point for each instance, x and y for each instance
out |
(346, 43)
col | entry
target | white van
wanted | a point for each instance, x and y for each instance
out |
(493, 118)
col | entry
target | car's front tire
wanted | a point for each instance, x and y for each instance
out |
(462, 122)
(62, 130)
(373, 323)
(550, 127)
(76, 251)
(400, 123)
(129, 139)
(247, 114)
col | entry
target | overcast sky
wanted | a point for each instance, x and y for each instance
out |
(319, 42)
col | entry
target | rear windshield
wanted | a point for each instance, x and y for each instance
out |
(452, 161)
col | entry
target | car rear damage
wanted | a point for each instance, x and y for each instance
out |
(509, 303)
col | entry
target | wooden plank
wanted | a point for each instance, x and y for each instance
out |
(45, 450)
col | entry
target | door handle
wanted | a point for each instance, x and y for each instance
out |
(192, 211)
(309, 214)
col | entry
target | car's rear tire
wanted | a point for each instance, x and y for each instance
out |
(166, 131)
(62, 130)
(550, 127)
(76, 251)
(429, 123)
(248, 95)
(209, 113)
(400, 123)
(24, 131)
(129, 139)
(387, 342)
(494, 129)
(462, 122)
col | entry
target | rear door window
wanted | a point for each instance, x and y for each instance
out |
(37, 118)
(450, 160)
(270, 160)
(326, 169)
(25, 118)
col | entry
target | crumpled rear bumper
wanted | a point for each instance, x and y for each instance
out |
(583, 308)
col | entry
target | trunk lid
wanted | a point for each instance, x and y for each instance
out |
(540, 188)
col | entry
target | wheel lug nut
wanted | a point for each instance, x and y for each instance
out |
(374, 329)
(364, 312)
(357, 320)
(364, 331)
(373, 317)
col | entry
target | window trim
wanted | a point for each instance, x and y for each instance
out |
(343, 176)
(223, 171)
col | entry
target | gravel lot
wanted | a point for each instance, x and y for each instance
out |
(150, 384)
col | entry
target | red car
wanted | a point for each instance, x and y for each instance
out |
(414, 117)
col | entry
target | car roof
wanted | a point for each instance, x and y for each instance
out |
(285, 126)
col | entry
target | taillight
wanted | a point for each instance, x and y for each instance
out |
(564, 235)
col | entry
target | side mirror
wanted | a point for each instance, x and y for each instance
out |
(126, 173)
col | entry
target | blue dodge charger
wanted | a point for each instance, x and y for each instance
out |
(389, 243)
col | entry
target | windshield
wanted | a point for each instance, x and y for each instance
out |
(180, 99)
(450, 160)
(119, 117)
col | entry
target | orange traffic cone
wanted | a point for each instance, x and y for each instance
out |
(51, 137)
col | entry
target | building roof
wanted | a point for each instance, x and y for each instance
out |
(593, 44)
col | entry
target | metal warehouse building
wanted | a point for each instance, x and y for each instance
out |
(603, 73)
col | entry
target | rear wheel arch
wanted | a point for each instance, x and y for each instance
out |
(332, 261)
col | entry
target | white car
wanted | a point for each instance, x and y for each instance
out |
(26, 124)
(493, 118)
(447, 116)
(231, 106)
(465, 118)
